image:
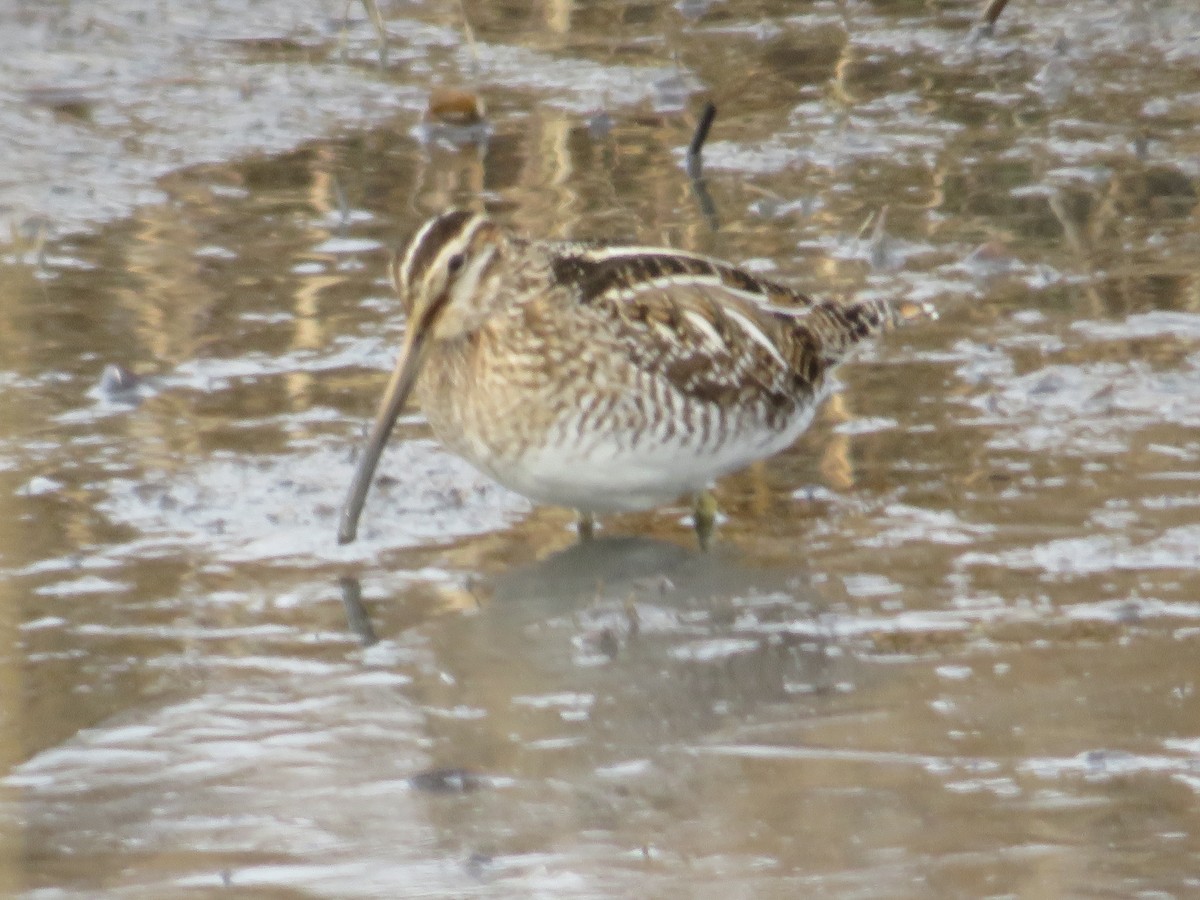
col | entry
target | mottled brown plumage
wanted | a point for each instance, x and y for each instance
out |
(602, 377)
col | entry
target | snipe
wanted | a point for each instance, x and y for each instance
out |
(604, 378)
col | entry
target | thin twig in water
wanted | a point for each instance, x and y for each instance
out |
(469, 34)
(357, 616)
(339, 196)
(344, 33)
(991, 13)
(701, 134)
(695, 167)
(867, 223)
(380, 29)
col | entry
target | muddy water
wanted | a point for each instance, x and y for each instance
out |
(945, 646)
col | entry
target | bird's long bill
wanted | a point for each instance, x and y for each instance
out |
(399, 387)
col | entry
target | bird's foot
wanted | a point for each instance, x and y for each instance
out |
(586, 526)
(704, 517)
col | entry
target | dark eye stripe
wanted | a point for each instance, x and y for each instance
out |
(429, 241)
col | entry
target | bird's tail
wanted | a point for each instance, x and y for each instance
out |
(840, 327)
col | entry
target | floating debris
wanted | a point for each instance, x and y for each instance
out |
(277, 47)
(116, 379)
(446, 781)
(880, 250)
(1054, 79)
(599, 124)
(67, 100)
(990, 259)
(774, 207)
(477, 864)
(28, 240)
(694, 9)
(119, 384)
(670, 92)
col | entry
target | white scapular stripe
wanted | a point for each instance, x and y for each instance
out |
(711, 336)
(756, 334)
(600, 254)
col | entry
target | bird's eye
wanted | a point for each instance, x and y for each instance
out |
(454, 263)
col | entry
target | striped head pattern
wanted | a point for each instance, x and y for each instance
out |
(444, 277)
(443, 274)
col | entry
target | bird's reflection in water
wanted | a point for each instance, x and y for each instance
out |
(590, 567)
(652, 608)
(562, 581)
(599, 681)
(592, 570)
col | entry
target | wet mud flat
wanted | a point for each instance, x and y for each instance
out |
(945, 645)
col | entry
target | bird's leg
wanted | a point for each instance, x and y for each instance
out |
(586, 526)
(704, 516)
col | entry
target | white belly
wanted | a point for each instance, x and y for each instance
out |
(631, 443)
(609, 473)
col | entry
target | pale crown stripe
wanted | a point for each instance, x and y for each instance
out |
(400, 276)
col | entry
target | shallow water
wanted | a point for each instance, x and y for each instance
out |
(945, 645)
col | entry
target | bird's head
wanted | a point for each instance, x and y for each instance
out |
(444, 277)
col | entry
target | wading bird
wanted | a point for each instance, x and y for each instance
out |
(604, 378)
